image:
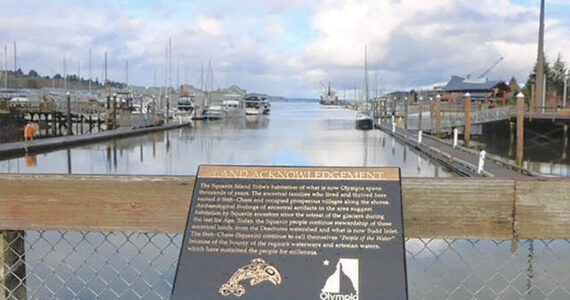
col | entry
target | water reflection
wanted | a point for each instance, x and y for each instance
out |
(545, 147)
(301, 134)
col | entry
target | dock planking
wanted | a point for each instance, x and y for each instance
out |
(458, 161)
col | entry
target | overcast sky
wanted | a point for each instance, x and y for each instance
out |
(287, 48)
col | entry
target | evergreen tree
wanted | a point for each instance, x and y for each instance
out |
(558, 74)
(548, 73)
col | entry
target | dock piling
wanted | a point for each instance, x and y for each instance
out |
(114, 110)
(520, 128)
(68, 111)
(406, 105)
(565, 145)
(467, 131)
(438, 113)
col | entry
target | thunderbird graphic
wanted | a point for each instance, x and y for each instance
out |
(256, 272)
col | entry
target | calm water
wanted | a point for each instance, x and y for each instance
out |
(297, 134)
(97, 265)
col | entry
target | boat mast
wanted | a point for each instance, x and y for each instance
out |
(5, 66)
(90, 75)
(365, 78)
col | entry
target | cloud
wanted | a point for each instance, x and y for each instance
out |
(286, 47)
(416, 42)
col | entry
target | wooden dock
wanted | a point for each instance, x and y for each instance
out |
(457, 160)
(10, 150)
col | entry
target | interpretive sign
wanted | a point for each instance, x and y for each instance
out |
(293, 233)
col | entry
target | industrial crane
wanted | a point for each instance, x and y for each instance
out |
(484, 74)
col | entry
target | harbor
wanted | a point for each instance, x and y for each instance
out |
(301, 150)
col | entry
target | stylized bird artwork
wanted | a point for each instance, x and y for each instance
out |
(256, 272)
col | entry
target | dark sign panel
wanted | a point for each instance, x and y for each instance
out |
(293, 233)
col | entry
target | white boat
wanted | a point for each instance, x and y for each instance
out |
(230, 108)
(256, 104)
(233, 108)
(200, 110)
(185, 109)
(136, 109)
(216, 112)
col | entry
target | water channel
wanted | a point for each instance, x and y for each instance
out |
(297, 134)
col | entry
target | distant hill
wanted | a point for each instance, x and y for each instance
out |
(304, 99)
(33, 80)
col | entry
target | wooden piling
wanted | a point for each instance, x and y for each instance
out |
(114, 110)
(167, 109)
(81, 124)
(531, 102)
(520, 128)
(385, 106)
(406, 105)
(565, 144)
(438, 116)
(68, 111)
(420, 111)
(467, 131)
(53, 124)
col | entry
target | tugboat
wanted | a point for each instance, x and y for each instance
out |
(329, 97)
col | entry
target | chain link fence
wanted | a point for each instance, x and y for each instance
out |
(97, 265)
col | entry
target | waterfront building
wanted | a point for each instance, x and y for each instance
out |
(488, 91)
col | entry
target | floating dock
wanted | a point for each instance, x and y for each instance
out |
(456, 159)
(11, 150)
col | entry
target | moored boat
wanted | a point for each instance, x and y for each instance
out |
(185, 109)
(256, 104)
(364, 121)
(329, 97)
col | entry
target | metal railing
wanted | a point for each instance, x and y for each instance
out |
(451, 120)
(103, 265)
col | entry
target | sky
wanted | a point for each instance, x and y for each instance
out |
(289, 48)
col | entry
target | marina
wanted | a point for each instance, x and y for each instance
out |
(388, 150)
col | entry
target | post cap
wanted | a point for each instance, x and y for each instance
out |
(467, 95)
(520, 95)
(421, 98)
(67, 93)
(438, 96)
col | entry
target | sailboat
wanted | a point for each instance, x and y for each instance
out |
(364, 119)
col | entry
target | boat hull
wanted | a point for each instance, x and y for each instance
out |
(364, 124)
